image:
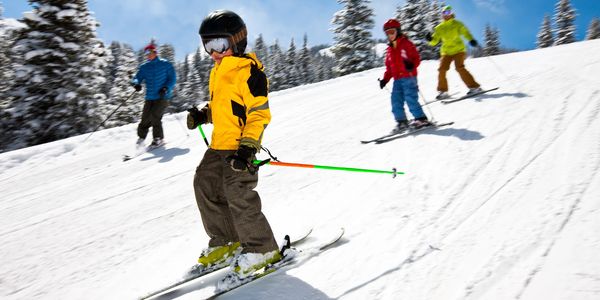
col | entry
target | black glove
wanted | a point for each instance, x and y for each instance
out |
(196, 117)
(428, 37)
(473, 43)
(408, 65)
(137, 87)
(242, 159)
(382, 83)
(162, 92)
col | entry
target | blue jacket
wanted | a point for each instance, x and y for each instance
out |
(157, 73)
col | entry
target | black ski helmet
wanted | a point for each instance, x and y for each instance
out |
(225, 23)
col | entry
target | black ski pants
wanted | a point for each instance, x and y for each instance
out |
(152, 117)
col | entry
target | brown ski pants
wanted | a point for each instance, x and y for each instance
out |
(459, 63)
(229, 206)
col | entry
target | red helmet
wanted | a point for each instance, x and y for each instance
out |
(391, 23)
(151, 47)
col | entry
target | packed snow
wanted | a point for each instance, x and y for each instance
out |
(504, 204)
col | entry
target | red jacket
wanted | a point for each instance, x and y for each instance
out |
(394, 59)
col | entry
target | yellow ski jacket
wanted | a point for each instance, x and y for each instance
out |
(238, 107)
(449, 32)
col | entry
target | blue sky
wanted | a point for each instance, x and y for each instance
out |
(177, 21)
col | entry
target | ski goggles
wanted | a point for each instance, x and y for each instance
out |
(149, 51)
(219, 45)
(446, 12)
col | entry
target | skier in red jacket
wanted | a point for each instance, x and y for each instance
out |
(401, 62)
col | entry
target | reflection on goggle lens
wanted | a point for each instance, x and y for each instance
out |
(447, 12)
(218, 45)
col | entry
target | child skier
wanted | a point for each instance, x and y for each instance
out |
(401, 62)
(226, 177)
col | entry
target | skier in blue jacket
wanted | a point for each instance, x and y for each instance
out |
(159, 76)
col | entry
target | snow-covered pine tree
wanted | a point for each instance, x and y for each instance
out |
(307, 72)
(324, 62)
(492, 41)
(292, 72)
(261, 51)
(593, 31)
(184, 70)
(413, 17)
(353, 44)
(62, 73)
(121, 90)
(545, 37)
(194, 89)
(112, 62)
(6, 72)
(276, 71)
(140, 56)
(433, 19)
(564, 19)
(167, 51)
(6, 78)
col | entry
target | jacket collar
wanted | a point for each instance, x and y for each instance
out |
(237, 62)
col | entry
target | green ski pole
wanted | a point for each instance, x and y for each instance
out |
(202, 133)
(394, 172)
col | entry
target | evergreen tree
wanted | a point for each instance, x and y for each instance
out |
(184, 70)
(6, 73)
(62, 74)
(415, 20)
(545, 38)
(195, 89)
(6, 78)
(353, 45)
(324, 67)
(593, 31)
(433, 19)
(261, 51)
(276, 71)
(141, 56)
(307, 73)
(292, 72)
(167, 51)
(121, 90)
(492, 41)
(564, 18)
(112, 62)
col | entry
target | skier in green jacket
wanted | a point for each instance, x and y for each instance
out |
(450, 33)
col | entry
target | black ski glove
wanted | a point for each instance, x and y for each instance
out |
(428, 37)
(408, 65)
(473, 43)
(382, 83)
(242, 160)
(137, 87)
(196, 117)
(162, 92)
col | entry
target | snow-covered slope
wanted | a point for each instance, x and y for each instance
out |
(504, 204)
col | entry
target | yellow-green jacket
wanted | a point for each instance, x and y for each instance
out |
(449, 32)
(238, 107)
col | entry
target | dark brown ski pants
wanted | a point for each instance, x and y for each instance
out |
(229, 206)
